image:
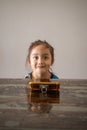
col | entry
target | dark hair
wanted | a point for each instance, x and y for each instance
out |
(44, 43)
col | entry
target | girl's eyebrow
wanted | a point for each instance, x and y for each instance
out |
(46, 54)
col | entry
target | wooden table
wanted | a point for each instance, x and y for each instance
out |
(16, 112)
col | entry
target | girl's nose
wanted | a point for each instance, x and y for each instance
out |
(40, 60)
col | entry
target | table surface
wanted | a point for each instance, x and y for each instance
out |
(18, 111)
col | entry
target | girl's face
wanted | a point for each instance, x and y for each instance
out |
(40, 59)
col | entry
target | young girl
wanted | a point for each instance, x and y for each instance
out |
(41, 57)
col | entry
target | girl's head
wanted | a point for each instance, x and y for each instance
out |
(43, 43)
(40, 57)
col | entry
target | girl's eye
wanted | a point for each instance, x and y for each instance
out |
(35, 57)
(45, 57)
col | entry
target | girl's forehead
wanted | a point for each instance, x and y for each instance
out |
(40, 48)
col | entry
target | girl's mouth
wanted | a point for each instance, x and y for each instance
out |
(40, 66)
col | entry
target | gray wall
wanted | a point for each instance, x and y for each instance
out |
(63, 23)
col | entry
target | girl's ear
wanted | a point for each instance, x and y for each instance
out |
(52, 62)
(28, 61)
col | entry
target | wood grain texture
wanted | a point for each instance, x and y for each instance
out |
(18, 112)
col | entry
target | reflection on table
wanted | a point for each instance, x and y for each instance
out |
(42, 102)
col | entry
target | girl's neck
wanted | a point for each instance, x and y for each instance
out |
(41, 76)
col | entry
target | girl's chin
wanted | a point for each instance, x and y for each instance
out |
(41, 71)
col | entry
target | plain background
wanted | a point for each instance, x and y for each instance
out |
(62, 23)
